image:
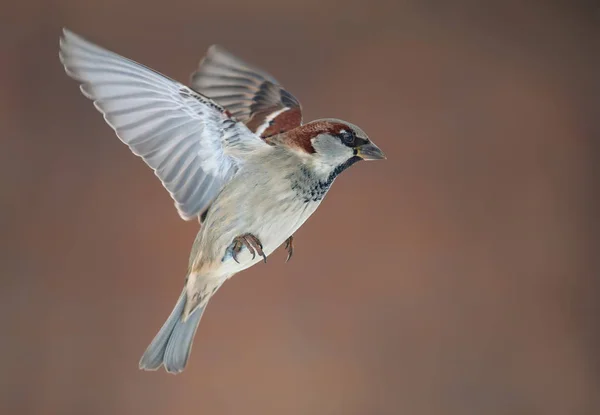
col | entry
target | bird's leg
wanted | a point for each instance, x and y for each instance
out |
(237, 247)
(257, 245)
(289, 246)
(238, 244)
(249, 241)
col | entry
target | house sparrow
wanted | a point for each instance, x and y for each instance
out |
(241, 161)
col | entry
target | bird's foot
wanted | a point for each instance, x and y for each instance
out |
(289, 246)
(249, 241)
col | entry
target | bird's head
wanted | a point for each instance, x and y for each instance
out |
(332, 145)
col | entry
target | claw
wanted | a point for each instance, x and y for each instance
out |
(251, 250)
(237, 247)
(258, 246)
(249, 241)
(289, 246)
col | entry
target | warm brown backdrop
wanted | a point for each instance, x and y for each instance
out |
(458, 277)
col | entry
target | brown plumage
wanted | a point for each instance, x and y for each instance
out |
(300, 137)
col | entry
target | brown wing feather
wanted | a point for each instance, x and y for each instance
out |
(248, 93)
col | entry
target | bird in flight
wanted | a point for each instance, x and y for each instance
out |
(232, 151)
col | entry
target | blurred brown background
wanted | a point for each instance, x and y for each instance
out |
(460, 276)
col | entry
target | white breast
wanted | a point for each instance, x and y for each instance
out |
(260, 200)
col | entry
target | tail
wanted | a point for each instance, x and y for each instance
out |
(173, 343)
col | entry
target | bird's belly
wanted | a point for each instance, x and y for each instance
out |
(272, 225)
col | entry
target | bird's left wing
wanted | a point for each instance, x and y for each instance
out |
(192, 143)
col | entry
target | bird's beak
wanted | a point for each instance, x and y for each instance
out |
(370, 151)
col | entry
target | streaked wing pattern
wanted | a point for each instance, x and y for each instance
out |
(190, 142)
(248, 93)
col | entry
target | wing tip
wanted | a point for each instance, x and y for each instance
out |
(218, 56)
(215, 48)
(67, 43)
(68, 36)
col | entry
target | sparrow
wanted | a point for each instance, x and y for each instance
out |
(232, 151)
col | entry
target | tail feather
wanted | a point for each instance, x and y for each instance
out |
(180, 343)
(173, 343)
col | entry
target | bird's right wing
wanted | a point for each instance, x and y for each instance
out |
(192, 143)
(250, 94)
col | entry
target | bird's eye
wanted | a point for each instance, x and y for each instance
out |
(347, 137)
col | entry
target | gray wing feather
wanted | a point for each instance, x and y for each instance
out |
(189, 141)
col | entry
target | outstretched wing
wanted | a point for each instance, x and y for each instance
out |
(251, 95)
(190, 142)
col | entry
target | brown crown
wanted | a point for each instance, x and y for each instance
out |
(301, 137)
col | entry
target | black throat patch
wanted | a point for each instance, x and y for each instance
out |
(311, 189)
